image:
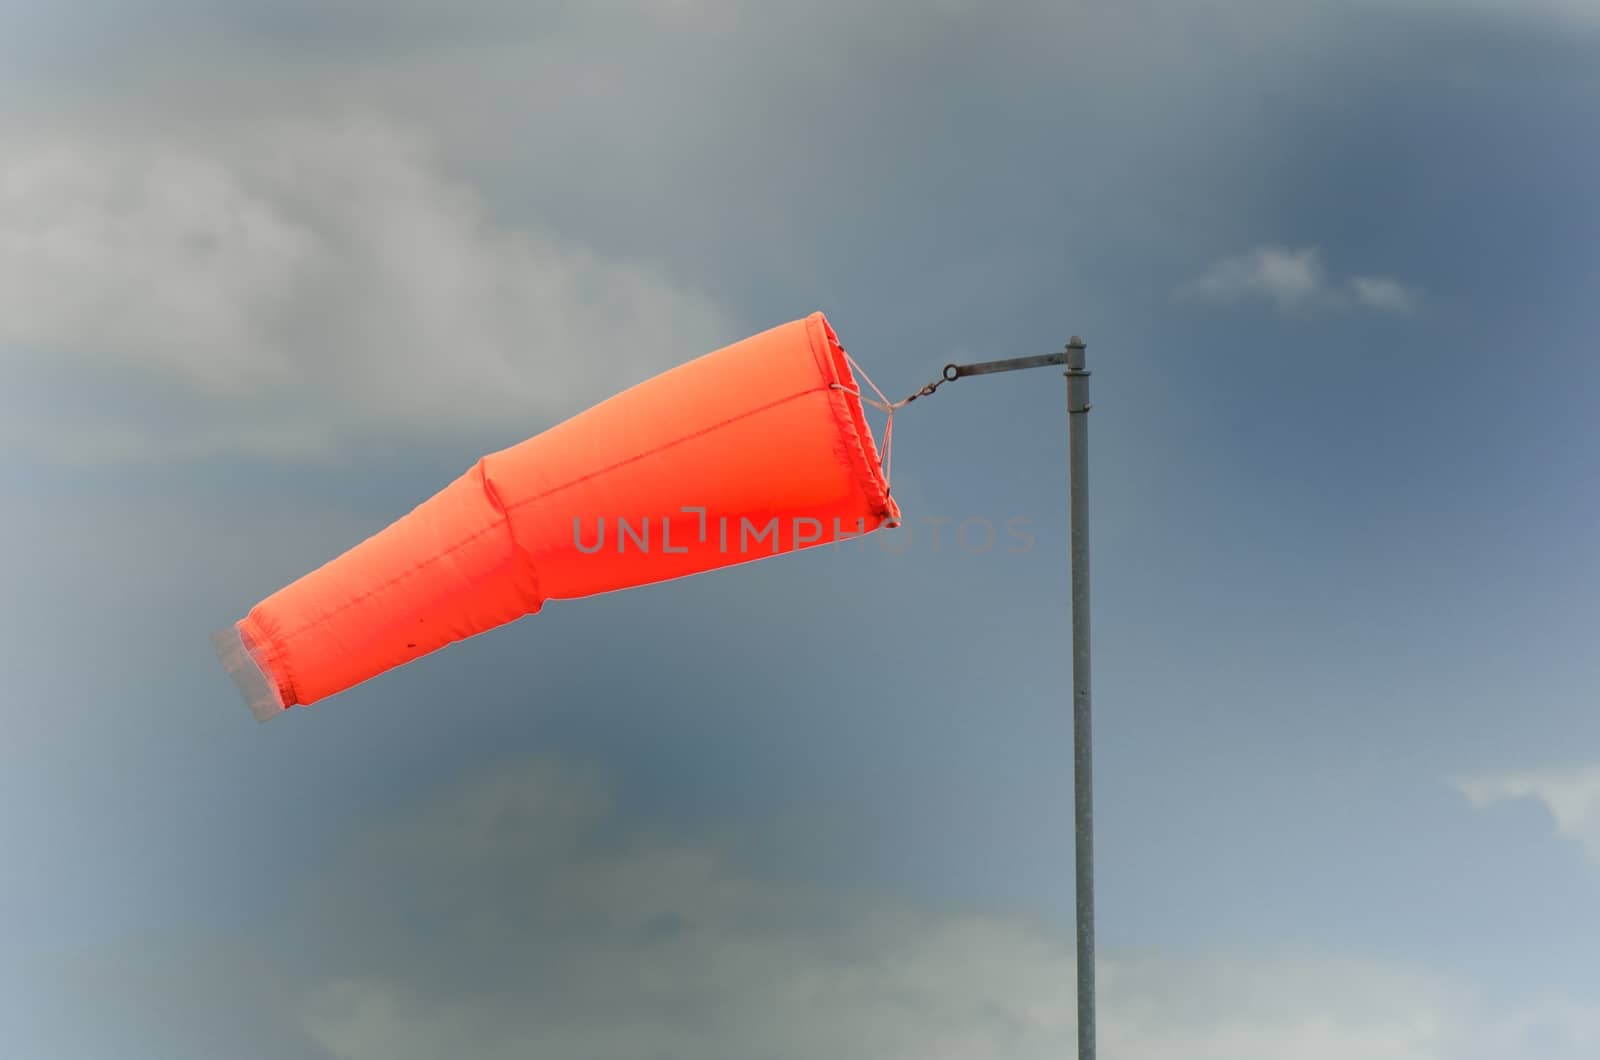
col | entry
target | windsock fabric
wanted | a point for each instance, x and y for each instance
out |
(750, 451)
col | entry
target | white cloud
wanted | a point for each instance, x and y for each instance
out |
(1289, 277)
(1572, 797)
(285, 284)
(1379, 292)
(588, 943)
(514, 918)
(1294, 280)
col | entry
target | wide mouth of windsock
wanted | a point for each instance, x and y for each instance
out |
(855, 431)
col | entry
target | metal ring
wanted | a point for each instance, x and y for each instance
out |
(952, 372)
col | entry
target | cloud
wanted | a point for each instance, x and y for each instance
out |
(771, 153)
(272, 286)
(1378, 292)
(1572, 797)
(285, 285)
(1295, 280)
(517, 915)
(1289, 277)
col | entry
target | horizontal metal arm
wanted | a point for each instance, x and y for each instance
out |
(953, 372)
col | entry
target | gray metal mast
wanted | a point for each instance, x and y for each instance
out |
(1082, 742)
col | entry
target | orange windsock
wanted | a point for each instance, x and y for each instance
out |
(753, 450)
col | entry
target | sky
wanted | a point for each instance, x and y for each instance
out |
(271, 276)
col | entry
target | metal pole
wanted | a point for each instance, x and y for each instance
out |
(1083, 759)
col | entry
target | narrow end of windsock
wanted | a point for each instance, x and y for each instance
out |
(254, 682)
